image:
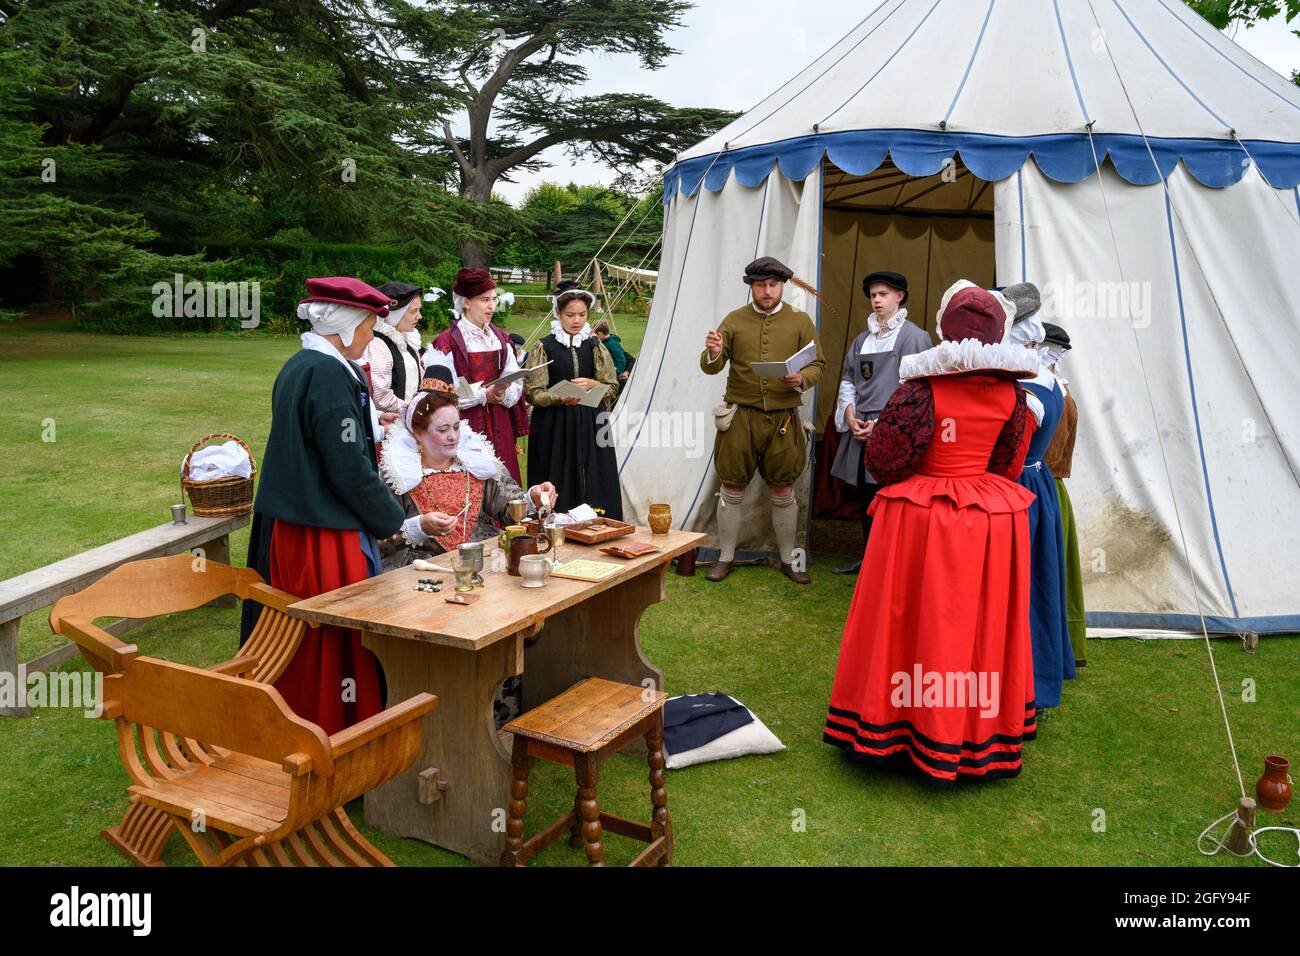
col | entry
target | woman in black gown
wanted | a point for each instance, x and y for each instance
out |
(569, 444)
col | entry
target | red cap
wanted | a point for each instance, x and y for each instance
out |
(472, 282)
(344, 291)
(973, 314)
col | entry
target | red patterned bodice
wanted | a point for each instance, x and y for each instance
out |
(447, 492)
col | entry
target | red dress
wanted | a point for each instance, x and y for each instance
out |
(501, 426)
(936, 663)
(332, 680)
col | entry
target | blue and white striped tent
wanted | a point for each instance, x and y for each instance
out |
(962, 139)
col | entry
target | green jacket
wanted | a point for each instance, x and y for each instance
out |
(748, 336)
(320, 469)
(615, 346)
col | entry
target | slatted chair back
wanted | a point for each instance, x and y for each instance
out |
(224, 712)
(156, 586)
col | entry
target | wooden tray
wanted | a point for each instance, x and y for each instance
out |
(599, 531)
(634, 549)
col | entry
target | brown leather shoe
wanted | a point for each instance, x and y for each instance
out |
(798, 577)
(720, 570)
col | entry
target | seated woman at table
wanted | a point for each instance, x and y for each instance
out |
(447, 477)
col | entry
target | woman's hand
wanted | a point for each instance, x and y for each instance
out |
(436, 524)
(585, 384)
(496, 396)
(570, 401)
(545, 495)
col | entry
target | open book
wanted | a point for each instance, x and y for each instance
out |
(588, 399)
(791, 365)
(465, 391)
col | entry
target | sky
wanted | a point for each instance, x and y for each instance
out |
(735, 52)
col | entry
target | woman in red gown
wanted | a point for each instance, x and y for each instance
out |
(936, 664)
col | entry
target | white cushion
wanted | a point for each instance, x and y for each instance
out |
(753, 738)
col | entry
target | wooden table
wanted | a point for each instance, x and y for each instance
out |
(455, 795)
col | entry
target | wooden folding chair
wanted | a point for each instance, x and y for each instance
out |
(156, 586)
(265, 788)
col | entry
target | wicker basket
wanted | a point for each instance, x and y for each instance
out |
(220, 497)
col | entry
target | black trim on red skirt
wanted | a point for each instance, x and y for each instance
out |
(906, 757)
(903, 740)
(927, 741)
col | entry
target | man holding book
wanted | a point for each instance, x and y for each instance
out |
(761, 430)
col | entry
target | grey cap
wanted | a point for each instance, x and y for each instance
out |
(1026, 297)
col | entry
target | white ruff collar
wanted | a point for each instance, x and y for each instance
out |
(402, 470)
(969, 355)
(894, 321)
(567, 340)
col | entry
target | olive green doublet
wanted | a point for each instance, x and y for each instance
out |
(766, 435)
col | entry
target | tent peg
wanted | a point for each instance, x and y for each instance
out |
(1243, 823)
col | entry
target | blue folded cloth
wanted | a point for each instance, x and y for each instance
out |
(694, 720)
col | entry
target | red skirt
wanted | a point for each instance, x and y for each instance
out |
(332, 681)
(936, 664)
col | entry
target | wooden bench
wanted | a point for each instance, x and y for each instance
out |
(40, 588)
(263, 787)
(580, 728)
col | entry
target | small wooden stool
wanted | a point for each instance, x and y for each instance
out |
(579, 729)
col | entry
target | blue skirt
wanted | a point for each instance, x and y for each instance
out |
(1049, 624)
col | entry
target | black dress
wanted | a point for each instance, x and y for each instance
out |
(563, 445)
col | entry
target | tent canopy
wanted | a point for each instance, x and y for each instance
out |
(908, 143)
(998, 80)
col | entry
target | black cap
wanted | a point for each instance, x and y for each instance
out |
(767, 268)
(894, 280)
(400, 292)
(440, 372)
(1056, 335)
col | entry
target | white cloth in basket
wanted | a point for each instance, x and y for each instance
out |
(220, 461)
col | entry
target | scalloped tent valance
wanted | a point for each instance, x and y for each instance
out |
(996, 81)
(1063, 157)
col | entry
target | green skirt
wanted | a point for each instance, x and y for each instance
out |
(1073, 577)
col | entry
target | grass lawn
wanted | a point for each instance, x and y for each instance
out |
(1139, 735)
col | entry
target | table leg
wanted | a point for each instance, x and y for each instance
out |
(597, 638)
(9, 664)
(459, 737)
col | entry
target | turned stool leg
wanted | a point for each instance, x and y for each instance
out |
(521, 763)
(575, 832)
(660, 823)
(587, 773)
